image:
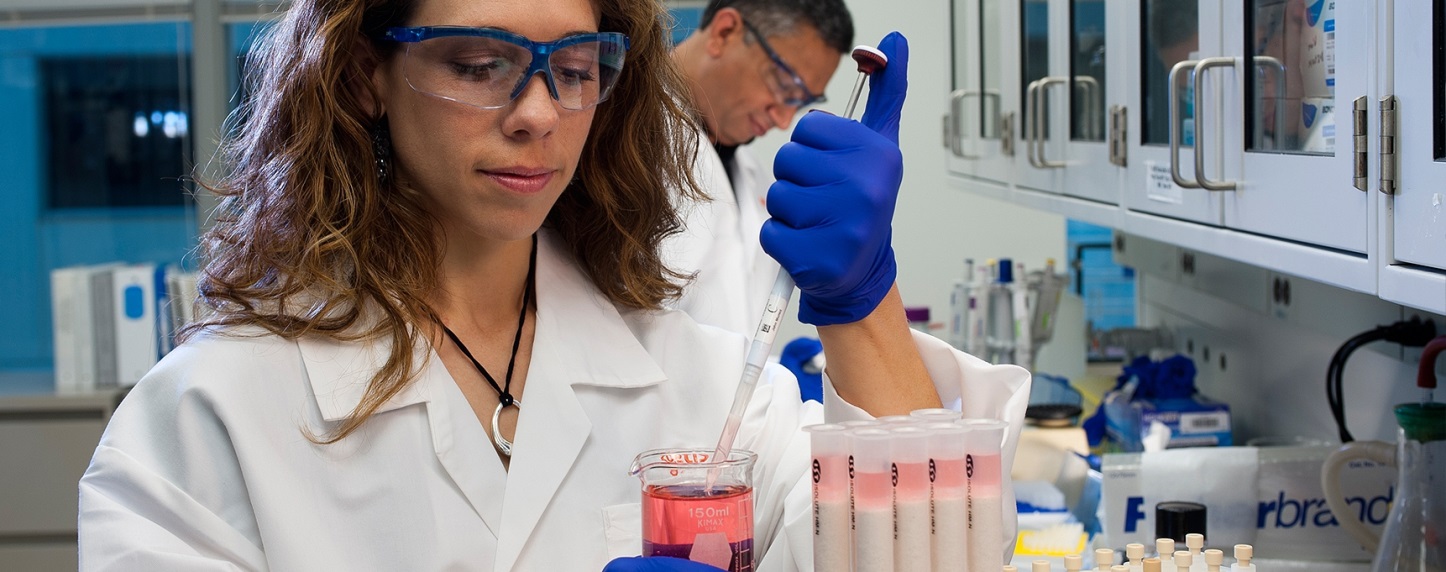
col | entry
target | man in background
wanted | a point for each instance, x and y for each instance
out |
(751, 65)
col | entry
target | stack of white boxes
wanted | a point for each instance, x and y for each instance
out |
(113, 322)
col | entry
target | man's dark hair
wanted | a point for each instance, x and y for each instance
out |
(782, 17)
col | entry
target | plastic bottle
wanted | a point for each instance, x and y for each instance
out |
(1213, 559)
(1196, 542)
(1135, 553)
(1000, 336)
(1023, 339)
(959, 308)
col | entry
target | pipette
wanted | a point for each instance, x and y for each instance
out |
(870, 61)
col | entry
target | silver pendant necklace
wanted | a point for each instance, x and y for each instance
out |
(504, 392)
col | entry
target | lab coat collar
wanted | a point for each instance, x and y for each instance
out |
(340, 371)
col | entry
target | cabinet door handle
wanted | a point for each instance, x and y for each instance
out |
(1094, 124)
(1030, 120)
(1205, 181)
(1037, 129)
(1175, 122)
(1279, 69)
(956, 112)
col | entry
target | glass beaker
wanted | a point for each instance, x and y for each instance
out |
(1412, 539)
(697, 508)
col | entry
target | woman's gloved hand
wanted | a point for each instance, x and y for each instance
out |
(833, 204)
(656, 564)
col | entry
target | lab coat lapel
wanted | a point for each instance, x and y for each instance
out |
(339, 373)
(580, 339)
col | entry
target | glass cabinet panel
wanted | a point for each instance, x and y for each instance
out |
(1087, 70)
(991, 67)
(1291, 93)
(1171, 30)
(1438, 27)
(1034, 52)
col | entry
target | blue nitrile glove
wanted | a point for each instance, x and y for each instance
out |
(656, 564)
(798, 356)
(833, 204)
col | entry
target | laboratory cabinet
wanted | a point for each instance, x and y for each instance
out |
(1303, 136)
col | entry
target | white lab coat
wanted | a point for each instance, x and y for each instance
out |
(720, 243)
(206, 466)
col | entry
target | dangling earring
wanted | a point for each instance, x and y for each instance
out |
(382, 149)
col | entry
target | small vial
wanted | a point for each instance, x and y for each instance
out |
(1134, 553)
(1039, 566)
(1164, 549)
(1243, 554)
(1183, 560)
(1104, 557)
(873, 501)
(1213, 559)
(897, 419)
(1196, 542)
(909, 458)
(984, 496)
(1151, 564)
(830, 450)
(1073, 563)
(949, 493)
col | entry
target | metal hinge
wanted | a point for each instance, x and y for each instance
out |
(1388, 144)
(1361, 144)
(1006, 134)
(1119, 137)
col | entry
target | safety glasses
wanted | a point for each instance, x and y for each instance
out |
(487, 68)
(787, 86)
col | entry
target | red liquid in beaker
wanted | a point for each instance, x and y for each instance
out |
(713, 527)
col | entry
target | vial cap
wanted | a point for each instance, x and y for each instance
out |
(1164, 547)
(1243, 553)
(1039, 566)
(1214, 557)
(1006, 270)
(1119, 568)
(1175, 519)
(1010, 568)
(1104, 557)
(1195, 541)
(1152, 565)
(1073, 562)
(1182, 559)
(1134, 551)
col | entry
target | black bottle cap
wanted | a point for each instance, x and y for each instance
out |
(1175, 519)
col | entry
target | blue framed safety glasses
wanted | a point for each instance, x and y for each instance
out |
(787, 87)
(487, 68)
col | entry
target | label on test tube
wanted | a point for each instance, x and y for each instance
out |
(984, 498)
(909, 454)
(873, 502)
(830, 497)
(948, 489)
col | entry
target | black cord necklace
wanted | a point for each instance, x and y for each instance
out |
(504, 392)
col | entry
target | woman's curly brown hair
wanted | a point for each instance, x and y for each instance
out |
(308, 240)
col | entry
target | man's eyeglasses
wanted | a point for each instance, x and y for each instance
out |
(488, 68)
(787, 87)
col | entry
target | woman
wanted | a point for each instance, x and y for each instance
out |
(434, 340)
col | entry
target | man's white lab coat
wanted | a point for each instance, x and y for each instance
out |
(720, 242)
(206, 465)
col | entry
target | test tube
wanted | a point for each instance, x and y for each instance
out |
(830, 450)
(898, 420)
(936, 414)
(984, 497)
(873, 501)
(910, 473)
(946, 464)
